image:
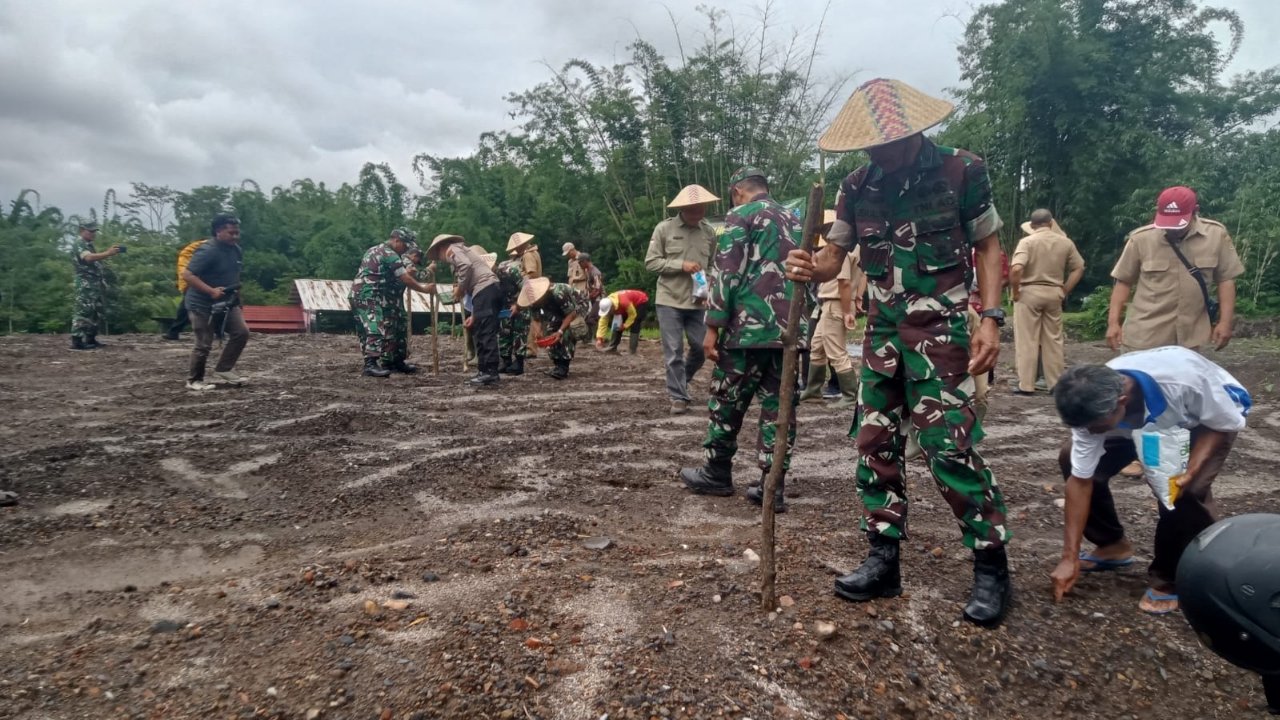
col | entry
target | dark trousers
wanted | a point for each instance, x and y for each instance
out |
(486, 305)
(616, 340)
(1194, 510)
(180, 319)
(237, 338)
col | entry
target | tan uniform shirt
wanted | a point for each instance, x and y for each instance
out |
(671, 245)
(1167, 306)
(577, 276)
(470, 271)
(1046, 257)
(531, 263)
(830, 290)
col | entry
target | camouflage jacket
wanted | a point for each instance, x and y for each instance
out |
(749, 294)
(561, 300)
(88, 274)
(510, 278)
(916, 245)
(378, 277)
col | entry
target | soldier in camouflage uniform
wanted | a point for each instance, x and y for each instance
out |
(916, 211)
(746, 318)
(513, 322)
(558, 311)
(90, 287)
(377, 301)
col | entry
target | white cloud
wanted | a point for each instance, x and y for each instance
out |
(191, 93)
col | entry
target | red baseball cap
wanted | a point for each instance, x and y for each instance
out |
(1175, 208)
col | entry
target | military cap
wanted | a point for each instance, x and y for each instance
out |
(89, 225)
(743, 173)
(405, 234)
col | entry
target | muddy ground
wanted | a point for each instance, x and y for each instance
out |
(322, 545)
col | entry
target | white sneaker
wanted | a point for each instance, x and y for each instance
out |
(230, 377)
(200, 386)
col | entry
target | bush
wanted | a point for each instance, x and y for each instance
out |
(1090, 323)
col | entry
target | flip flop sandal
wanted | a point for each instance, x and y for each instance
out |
(1103, 564)
(8, 498)
(1154, 596)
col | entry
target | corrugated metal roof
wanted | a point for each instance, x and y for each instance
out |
(331, 295)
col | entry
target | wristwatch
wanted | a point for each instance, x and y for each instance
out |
(996, 314)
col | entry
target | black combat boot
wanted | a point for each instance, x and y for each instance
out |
(373, 369)
(713, 478)
(77, 343)
(504, 363)
(516, 367)
(401, 366)
(992, 593)
(91, 342)
(560, 371)
(755, 493)
(878, 576)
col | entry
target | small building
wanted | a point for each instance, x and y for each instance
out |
(320, 296)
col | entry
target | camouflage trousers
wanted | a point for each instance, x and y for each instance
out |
(941, 412)
(381, 327)
(87, 312)
(513, 335)
(739, 376)
(563, 350)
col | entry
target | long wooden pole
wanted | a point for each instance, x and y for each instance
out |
(435, 328)
(786, 406)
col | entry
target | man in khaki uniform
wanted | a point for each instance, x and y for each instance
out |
(1168, 305)
(574, 271)
(830, 338)
(520, 245)
(680, 248)
(1045, 268)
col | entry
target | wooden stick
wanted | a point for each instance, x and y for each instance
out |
(435, 330)
(786, 409)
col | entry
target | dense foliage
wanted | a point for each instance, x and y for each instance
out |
(1087, 107)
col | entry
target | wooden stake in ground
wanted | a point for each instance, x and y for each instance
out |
(408, 312)
(786, 395)
(435, 328)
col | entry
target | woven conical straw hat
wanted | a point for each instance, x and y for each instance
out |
(489, 258)
(517, 239)
(879, 112)
(693, 195)
(531, 291)
(437, 244)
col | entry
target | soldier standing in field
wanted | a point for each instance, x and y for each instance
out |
(915, 212)
(377, 301)
(746, 319)
(90, 286)
(520, 245)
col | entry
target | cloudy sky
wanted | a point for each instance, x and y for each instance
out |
(96, 93)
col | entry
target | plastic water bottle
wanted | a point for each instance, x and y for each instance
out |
(700, 284)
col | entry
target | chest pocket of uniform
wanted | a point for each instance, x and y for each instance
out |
(1155, 265)
(938, 242)
(875, 248)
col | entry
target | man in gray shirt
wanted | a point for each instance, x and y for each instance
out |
(473, 276)
(682, 246)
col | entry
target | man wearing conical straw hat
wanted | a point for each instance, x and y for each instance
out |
(473, 276)
(558, 315)
(521, 246)
(918, 212)
(680, 252)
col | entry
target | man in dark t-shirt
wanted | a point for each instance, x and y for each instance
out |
(213, 277)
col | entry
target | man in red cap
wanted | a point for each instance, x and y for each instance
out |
(1172, 267)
